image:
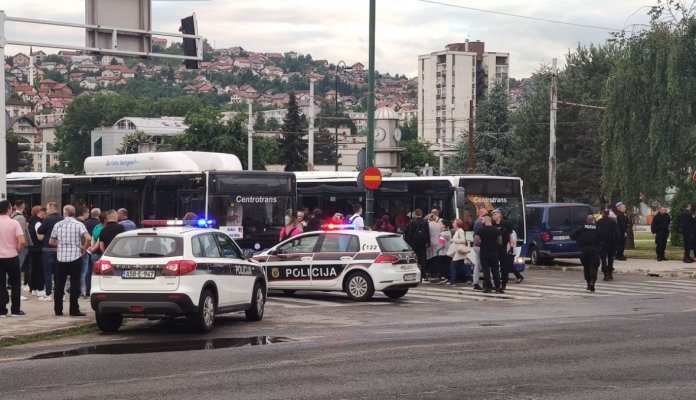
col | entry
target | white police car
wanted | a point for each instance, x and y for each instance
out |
(356, 262)
(173, 271)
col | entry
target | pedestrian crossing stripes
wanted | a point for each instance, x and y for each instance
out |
(527, 291)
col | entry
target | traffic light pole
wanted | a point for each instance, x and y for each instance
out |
(370, 153)
(3, 126)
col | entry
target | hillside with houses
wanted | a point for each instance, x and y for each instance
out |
(45, 84)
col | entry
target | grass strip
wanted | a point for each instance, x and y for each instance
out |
(53, 335)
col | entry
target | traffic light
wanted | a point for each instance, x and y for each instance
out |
(188, 27)
(15, 158)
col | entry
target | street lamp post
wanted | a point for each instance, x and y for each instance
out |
(345, 68)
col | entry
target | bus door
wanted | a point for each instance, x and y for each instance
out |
(422, 202)
(191, 200)
(99, 200)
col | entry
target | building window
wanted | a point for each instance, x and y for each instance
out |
(98, 147)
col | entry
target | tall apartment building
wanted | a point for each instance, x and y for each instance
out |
(447, 81)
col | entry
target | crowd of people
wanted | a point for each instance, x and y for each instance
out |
(52, 252)
(444, 254)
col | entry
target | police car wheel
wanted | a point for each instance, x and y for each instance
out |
(108, 322)
(289, 292)
(204, 318)
(395, 293)
(258, 304)
(359, 286)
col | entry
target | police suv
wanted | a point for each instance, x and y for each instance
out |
(174, 271)
(353, 261)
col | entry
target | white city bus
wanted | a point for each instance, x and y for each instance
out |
(457, 196)
(249, 205)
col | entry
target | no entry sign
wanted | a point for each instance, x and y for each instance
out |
(372, 178)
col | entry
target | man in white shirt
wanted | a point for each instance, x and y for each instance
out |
(356, 219)
(72, 240)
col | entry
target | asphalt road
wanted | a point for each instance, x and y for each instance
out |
(547, 339)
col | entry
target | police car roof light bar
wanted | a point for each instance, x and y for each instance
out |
(337, 227)
(199, 223)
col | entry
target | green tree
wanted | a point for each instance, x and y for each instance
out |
(492, 137)
(272, 125)
(54, 75)
(409, 130)
(416, 155)
(83, 115)
(259, 122)
(325, 148)
(649, 126)
(131, 142)
(294, 146)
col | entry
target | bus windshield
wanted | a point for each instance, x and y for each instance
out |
(492, 193)
(251, 207)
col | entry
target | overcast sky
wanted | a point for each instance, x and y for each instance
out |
(338, 30)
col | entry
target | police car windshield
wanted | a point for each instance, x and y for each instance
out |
(392, 243)
(145, 247)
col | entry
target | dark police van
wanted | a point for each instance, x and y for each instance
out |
(549, 226)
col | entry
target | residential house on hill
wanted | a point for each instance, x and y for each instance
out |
(17, 108)
(20, 60)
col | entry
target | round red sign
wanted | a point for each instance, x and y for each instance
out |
(372, 178)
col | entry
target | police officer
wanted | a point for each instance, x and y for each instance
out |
(609, 235)
(622, 220)
(660, 231)
(688, 225)
(504, 259)
(589, 240)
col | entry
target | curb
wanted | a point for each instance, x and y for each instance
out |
(639, 271)
(47, 333)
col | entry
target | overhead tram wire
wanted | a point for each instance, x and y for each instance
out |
(552, 21)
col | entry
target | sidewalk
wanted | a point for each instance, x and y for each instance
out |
(40, 319)
(645, 267)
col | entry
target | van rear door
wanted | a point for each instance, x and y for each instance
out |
(562, 222)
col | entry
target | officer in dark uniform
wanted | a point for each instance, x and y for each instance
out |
(589, 240)
(609, 235)
(660, 230)
(622, 220)
(688, 225)
(504, 259)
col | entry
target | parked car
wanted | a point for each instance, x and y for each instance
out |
(549, 226)
(170, 272)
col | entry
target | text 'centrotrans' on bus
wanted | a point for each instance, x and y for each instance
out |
(249, 205)
(456, 196)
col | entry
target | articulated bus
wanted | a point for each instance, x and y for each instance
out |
(457, 196)
(249, 205)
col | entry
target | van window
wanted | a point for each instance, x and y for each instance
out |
(568, 215)
(578, 215)
(534, 216)
(559, 216)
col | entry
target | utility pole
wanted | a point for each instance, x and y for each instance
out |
(250, 141)
(470, 155)
(552, 133)
(370, 153)
(310, 156)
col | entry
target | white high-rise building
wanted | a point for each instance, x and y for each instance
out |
(447, 81)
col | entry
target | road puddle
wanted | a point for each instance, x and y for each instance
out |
(162, 347)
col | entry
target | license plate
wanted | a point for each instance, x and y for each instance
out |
(410, 277)
(138, 274)
(561, 238)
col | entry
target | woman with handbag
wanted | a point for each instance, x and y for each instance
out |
(458, 250)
